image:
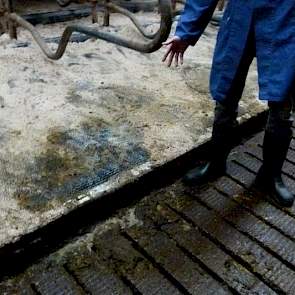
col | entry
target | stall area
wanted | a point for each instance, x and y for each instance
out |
(102, 116)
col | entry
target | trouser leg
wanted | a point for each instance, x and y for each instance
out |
(226, 111)
(225, 121)
(223, 137)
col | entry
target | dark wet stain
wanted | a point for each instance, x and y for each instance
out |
(2, 102)
(92, 55)
(123, 98)
(73, 64)
(116, 99)
(75, 160)
(37, 80)
(74, 98)
(121, 51)
(11, 83)
(196, 77)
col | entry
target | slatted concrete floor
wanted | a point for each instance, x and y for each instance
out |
(222, 238)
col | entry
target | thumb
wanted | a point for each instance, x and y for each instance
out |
(168, 42)
(171, 40)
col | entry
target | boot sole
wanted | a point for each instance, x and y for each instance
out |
(273, 197)
(192, 182)
(269, 196)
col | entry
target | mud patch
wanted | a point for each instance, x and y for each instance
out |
(196, 77)
(116, 99)
(76, 160)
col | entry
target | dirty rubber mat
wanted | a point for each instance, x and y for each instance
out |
(109, 156)
(222, 238)
(74, 161)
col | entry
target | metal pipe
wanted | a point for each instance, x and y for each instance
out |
(146, 46)
(127, 13)
(94, 12)
(12, 27)
(106, 16)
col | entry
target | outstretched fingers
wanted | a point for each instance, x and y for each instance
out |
(170, 59)
(170, 41)
(175, 50)
(181, 58)
(166, 54)
(176, 59)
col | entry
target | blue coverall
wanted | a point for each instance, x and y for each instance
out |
(272, 23)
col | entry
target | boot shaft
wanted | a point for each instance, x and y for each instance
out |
(275, 149)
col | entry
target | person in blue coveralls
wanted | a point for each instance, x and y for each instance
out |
(264, 29)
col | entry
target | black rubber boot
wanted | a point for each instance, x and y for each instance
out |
(223, 139)
(220, 147)
(205, 173)
(269, 179)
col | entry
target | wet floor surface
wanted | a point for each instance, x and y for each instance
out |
(223, 238)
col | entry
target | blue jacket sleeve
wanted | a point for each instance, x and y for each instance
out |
(194, 19)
